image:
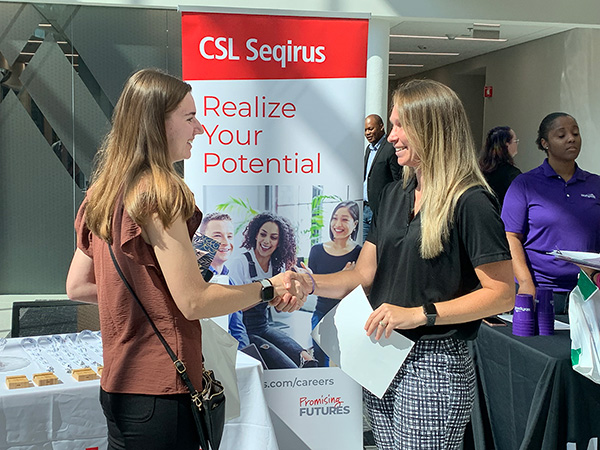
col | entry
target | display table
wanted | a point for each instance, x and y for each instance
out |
(531, 394)
(68, 416)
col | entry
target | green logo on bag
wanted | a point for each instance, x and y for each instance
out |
(586, 286)
(575, 353)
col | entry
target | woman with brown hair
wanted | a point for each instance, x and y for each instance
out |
(496, 160)
(271, 249)
(142, 208)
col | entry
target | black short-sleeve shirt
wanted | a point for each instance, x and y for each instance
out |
(404, 278)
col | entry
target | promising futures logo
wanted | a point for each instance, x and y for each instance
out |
(325, 405)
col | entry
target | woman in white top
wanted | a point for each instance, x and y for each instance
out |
(271, 246)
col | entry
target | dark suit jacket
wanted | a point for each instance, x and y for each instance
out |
(385, 169)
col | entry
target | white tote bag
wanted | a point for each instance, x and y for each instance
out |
(584, 319)
(219, 349)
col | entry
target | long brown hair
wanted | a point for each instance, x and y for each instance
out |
(134, 157)
(436, 126)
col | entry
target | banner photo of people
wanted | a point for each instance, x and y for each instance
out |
(278, 176)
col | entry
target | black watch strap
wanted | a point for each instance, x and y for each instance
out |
(430, 312)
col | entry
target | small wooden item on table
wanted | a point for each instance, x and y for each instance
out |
(17, 382)
(45, 379)
(84, 374)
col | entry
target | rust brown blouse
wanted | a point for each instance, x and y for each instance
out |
(135, 362)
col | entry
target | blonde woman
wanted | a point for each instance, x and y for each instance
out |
(140, 206)
(435, 263)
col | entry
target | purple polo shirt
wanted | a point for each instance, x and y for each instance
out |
(552, 214)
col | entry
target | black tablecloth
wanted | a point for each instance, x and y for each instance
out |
(529, 396)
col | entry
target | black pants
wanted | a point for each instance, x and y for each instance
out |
(149, 422)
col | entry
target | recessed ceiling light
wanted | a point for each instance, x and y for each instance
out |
(426, 53)
(480, 39)
(447, 37)
(412, 36)
(495, 25)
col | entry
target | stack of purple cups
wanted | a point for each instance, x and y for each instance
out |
(523, 316)
(544, 311)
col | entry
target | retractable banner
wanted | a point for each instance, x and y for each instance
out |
(281, 101)
(281, 98)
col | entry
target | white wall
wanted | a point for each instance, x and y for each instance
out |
(580, 91)
(558, 73)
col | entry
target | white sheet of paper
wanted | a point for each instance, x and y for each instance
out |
(373, 364)
(591, 260)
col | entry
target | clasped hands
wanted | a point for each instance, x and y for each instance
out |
(290, 291)
(294, 286)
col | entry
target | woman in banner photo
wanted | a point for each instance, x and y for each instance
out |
(339, 253)
(219, 226)
(496, 160)
(271, 249)
(554, 206)
(139, 205)
(435, 263)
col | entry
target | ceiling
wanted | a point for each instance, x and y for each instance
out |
(515, 33)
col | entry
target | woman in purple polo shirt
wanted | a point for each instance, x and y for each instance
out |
(554, 206)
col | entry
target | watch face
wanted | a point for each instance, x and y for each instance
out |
(267, 293)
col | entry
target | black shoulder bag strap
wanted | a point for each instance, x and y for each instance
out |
(196, 397)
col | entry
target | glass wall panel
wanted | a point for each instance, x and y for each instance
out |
(62, 68)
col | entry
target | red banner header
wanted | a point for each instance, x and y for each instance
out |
(246, 47)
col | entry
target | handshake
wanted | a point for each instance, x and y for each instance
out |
(292, 288)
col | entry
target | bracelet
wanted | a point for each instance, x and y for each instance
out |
(304, 270)
(313, 283)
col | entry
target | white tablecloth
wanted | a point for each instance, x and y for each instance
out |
(68, 416)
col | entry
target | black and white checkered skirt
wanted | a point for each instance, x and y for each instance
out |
(428, 404)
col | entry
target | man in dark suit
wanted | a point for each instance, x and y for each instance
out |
(381, 167)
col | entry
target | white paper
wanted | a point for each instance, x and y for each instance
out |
(586, 259)
(341, 334)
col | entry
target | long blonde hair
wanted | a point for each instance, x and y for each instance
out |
(134, 157)
(437, 128)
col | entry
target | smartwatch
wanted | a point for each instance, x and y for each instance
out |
(430, 312)
(267, 291)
